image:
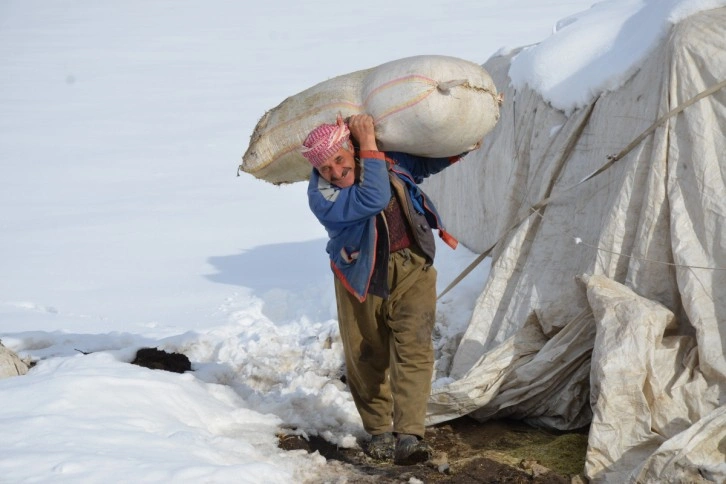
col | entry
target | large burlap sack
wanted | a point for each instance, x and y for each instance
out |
(425, 105)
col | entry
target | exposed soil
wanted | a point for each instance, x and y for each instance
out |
(466, 451)
(157, 359)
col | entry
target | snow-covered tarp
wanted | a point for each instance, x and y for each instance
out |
(606, 306)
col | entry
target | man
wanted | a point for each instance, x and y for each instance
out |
(381, 249)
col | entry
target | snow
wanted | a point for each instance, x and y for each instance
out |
(599, 49)
(123, 225)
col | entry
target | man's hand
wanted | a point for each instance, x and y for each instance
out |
(362, 129)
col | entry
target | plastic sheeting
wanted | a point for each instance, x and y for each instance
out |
(606, 307)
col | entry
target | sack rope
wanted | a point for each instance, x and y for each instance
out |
(611, 161)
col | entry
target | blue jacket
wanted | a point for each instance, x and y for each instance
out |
(349, 214)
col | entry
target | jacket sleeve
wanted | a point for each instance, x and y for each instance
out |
(421, 167)
(338, 207)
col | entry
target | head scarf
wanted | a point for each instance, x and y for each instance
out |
(325, 141)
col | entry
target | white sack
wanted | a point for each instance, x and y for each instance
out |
(428, 105)
(653, 223)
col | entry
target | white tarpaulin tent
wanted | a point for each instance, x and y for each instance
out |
(605, 306)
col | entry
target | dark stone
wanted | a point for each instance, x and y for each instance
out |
(161, 360)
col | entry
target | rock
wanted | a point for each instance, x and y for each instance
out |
(11, 364)
(440, 462)
(157, 359)
(535, 468)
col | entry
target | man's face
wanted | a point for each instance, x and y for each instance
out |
(339, 169)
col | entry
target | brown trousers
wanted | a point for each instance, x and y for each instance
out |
(389, 354)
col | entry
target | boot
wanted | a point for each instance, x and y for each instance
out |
(380, 447)
(411, 450)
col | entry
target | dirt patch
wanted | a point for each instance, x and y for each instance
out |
(466, 451)
(157, 359)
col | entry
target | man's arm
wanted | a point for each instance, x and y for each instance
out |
(421, 167)
(335, 206)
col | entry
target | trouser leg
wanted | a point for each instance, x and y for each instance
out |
(395, 332)
(365, 338)
(411, 313)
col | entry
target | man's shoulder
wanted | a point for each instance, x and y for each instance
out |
(319, 186)
(401, 158)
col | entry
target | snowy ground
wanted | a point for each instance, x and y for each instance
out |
(123, 225)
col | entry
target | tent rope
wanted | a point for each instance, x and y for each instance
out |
(579, 241)
(611, 161)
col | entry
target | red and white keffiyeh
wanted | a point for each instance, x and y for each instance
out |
(324, 141)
